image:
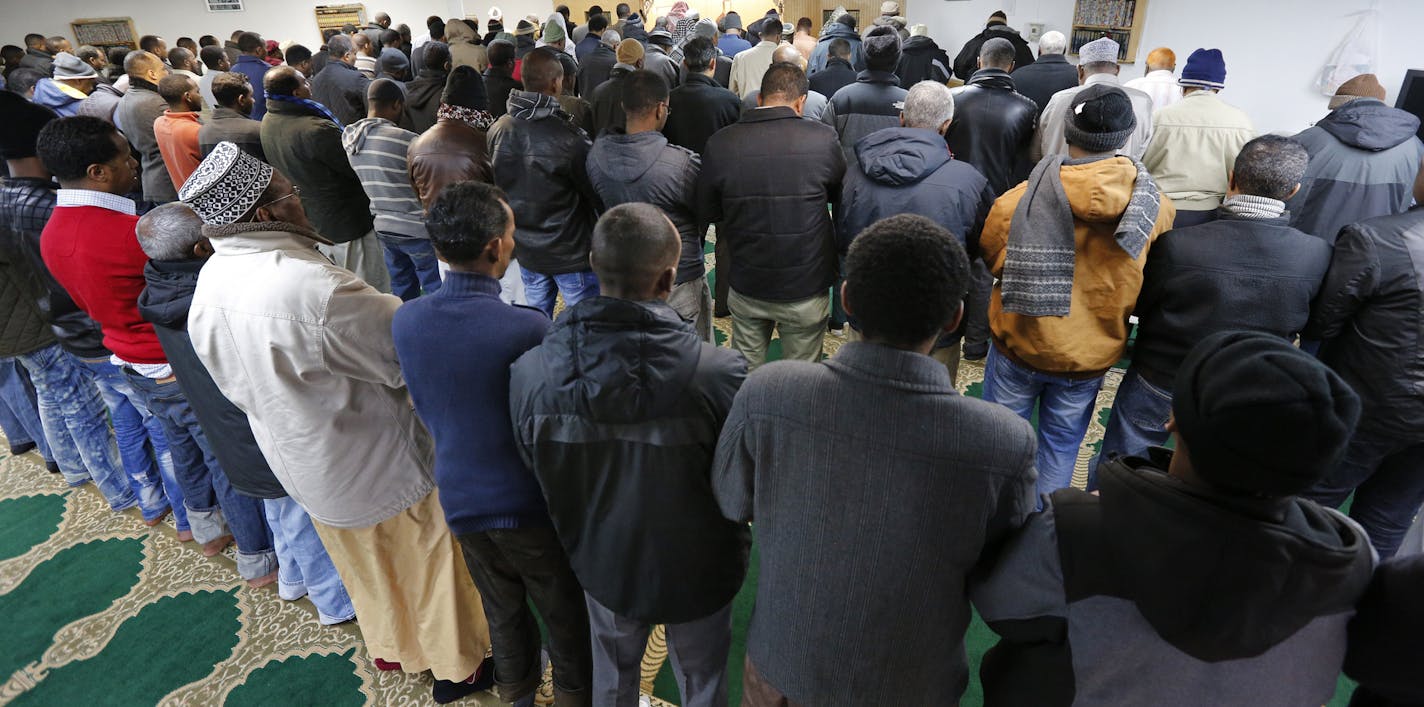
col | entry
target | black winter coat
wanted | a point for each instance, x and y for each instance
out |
(540, 165)
(594, 69)
(644, 168)
(993, 128)
(922, 60)
(1370, 314)
(778, 232)
(967, 62)
(1046, 76)
(306, 147)
(498, 84)
(25, 207)
(698, 108)
(342, 89)
(1231, 273)
(607, 101)
(837, 75)
(622, 404)
(165, 303)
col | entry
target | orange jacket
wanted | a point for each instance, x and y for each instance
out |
(1105, 279)
(177, 136)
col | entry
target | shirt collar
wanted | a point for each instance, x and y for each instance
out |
(89, 197)
(1102, 78)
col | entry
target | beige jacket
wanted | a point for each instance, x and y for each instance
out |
(748, 66)
(1049, 140)
(1194, 146)
(463, 50)
(304, 348)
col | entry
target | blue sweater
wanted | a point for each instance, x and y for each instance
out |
(455, 347)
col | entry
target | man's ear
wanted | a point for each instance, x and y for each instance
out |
(954, 323)
(845, 303)
(491, 251)
(97, 172)
(203, 249)
(1294, 191)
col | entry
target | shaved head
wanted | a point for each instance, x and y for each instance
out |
(140, 62)
(788, 54)
(542, 71)
(634, 246)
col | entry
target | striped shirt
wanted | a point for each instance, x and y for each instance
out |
(376, 149)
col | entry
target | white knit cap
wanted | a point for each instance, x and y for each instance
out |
(1099, 51)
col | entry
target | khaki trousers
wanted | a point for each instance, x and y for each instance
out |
(802, 325)
(364, 257)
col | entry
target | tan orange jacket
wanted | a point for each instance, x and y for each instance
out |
(1105, 279)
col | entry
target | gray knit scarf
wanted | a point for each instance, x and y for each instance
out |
(1254, 207)
(527, 105)
(1037, 279)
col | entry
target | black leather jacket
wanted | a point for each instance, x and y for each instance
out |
(540, 164)
(993, 128)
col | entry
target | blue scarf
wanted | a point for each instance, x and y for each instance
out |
(309, 104)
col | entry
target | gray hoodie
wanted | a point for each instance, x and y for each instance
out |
(376, 148)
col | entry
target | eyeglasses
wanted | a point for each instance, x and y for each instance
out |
(296, 191)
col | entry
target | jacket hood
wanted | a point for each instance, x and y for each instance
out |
(1098, 191)
(992, 78)
(458, 31)
(169, 292)
(1370, 125)
(1184, 550)
(917, 44)
(630, 156)
(353, 138)
(836, 29)
(621, 360)
(901, 156)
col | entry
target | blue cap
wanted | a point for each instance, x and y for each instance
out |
(1205, 69)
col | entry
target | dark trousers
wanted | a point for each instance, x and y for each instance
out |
(1386, 475)
(976, 310)
(516, 566)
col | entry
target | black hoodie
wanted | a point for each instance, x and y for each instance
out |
(1163, 592)
(165, 303)
(618, 414)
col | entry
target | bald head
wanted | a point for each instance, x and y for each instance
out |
(285, 81)
(172, 232)
(543, 72)
(788, 54)
(143, 65)
(634, 252)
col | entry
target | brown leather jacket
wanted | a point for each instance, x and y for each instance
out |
(449, 152)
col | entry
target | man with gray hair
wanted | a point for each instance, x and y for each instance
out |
(1196, 284)
(339, 86)
(908, 170)
(1097, 64)
(1048, 75)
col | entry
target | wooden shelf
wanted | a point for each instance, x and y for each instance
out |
(1128, 36)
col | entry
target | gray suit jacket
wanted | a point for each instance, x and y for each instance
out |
(875, 490)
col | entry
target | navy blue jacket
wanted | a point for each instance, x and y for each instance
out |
(455, 347)
(254, 69)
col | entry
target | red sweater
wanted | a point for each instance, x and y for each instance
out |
(94, 254)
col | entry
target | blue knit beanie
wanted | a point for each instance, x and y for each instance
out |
(1205, 69)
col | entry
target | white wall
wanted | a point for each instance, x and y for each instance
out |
(1273, 51)
(273, 19)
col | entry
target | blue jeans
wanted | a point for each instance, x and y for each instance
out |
(1138, 421)
(540, 290)
(75, 419)
(1065, 407)
(19, 409)
(304, 567)
(413, 266)
(214, 507)
(1386, 474)
(135, 430)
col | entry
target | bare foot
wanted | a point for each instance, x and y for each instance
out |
(185, 536)
(159, 518)
(262, 581)
(213, 547)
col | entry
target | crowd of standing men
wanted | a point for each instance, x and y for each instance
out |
(304, 302)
